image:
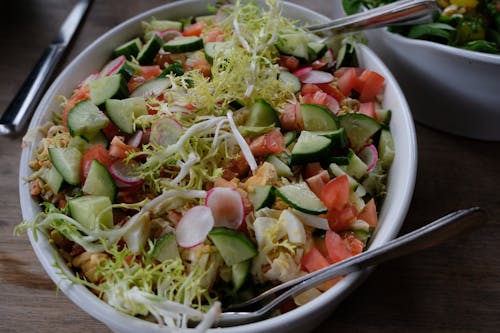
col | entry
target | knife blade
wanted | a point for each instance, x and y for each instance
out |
(24, 103)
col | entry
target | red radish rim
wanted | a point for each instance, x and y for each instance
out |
(119, 170)
(173, 31)
(113, 66)
(232, 200)
(194, 226)
(369, 155)
(136, 139)
(302, 71)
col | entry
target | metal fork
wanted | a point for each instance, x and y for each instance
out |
(446, 227)
(403, 12)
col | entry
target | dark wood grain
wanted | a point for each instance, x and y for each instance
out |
(452, 288)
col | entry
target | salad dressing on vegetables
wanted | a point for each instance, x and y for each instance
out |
(210, 159)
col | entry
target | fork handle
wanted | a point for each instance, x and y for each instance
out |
(23, 105)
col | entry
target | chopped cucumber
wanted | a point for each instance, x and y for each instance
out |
(289, 137)
(184, 44)
(386, 149)
(290, 80)
(338, 137)
(160, 25)
(240, 272)
(316, 50)
(384, 116)
(213, 49)
(52, 178)
(318, 118)
(310, 148)
(129, 49)
(86, 119)
(233, 246)
(100, 138)
(165, 247)
(337, 171)
(99, 181)
(123, 112)
(261, 196)
(300, 197)
(92, 211)
(67, 162)
(154, 87)
(149, 51)
(79, 143)
(262, 114)
(359, 128)
(175, 69)
(126, 70)
(113, 86)
(356, 167)
(294, 44)
(282, 169)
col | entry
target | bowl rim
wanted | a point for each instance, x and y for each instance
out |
(117, 320)
(449, 50)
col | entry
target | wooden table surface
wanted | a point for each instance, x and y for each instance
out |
(451, 288)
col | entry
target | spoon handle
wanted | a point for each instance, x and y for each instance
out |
(397, 13)
(447, 227)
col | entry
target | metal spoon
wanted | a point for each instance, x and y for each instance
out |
(451, 225)
(404, 12)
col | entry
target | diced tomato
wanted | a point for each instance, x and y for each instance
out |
(338, 248)
(150, 72)
(355, 245)
(317, 182)
(269, 143)
(369, 213)
(370, 84)
(313, 260)
(341, 219)
(134, 82)
(95, 152)
(348, 81)
(335, 194)
(333, 91)
(237, 167)
(120, 149)
(194, 29)
(78, 95)
(111, 131)
(319, 97)
(309, 88)
(214, 35)
(332, 104)
(368, 109)
(203, 66)
(289, 62)
(291, 119)
(311, 169)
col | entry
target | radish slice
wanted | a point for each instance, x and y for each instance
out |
(302, 71)
(123, 174)
(88, 79)
(113, 66)
(369, 155)
(136, 139)
(227, 207)
(316, 77)
(165, 132)
(194, 226)
(168, 34)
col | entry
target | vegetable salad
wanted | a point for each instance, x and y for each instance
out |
(211, 158)
(470, 24)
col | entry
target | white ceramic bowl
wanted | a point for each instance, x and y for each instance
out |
(448, 88)
(303, 319)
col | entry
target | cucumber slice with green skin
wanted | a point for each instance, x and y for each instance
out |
(126, 70)
(92, 211)
(52, 178)
(356, 167)
(282, 169)
(337, 171)
(213, 49)
(359, 128)
(165, 247)
(290, 80)
(262, 114)
(154, 87)
(122, 112)
(310, 147)
(294, 44)
(338, 137)
(164, 25)
(300, 197)
(386, 150)
(184, 44)
(175, 69)
(79, 143)
(289, 137)
(129, 49)
(318, 118)
(85, 119)
(261, 196)
(239, 273)
(113, 86)
(316, 50)
(384, 116)
(149, 51)
(99, 181)
(233, 246)
(99, 138)
(67, 161)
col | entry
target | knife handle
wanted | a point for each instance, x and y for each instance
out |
(26, 100)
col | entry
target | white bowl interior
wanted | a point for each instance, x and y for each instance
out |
(305, 318)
